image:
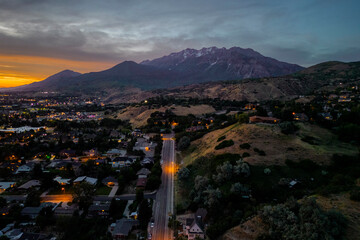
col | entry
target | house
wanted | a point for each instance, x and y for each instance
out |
(100, 161)
(143, 173)
(81, 179)
(195, 128)
(35, 236)
(5, 210)
(194, 227)
(116, 134)
(30, 184)
(62, 181)
(26, 168)
(344, 98)
(119, 162)
(101, 210)
(31, 212)
(112, 153)
(141, 183)
(121, 228)
(144, 145)
(109, 181)
(92, 153)
(300, 117)
(326, 116)
(333, 96)
(147, 160)
(6, 185)
(137, 133)
(7, 228)
(14, 234)
(60, 211)
(260, 119)
(10, 165)
(67, 153)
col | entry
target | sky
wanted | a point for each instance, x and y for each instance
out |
(39, 38)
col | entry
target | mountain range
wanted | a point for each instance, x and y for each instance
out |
(189, 66)
(327, 75)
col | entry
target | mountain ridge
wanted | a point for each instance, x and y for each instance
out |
(189, 66)
(223, 64)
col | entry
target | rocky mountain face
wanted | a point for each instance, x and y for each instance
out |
(189, 66)
(213, 64)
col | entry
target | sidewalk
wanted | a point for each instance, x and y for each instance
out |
(114, 190)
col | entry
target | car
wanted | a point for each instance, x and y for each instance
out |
(149, 236)
(152, 223)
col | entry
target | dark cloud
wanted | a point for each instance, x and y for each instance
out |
(115, 30)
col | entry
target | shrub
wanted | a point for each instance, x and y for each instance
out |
(355, 194)
(309, 139)
(288, 127)
(224, 144)
(221, 138)
(246, 154)
(245, 146)
(260, 152)
(183, 174)
(184, 143)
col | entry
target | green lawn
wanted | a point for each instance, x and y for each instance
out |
(103, 190)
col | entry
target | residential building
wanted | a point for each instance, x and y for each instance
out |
(121, 228)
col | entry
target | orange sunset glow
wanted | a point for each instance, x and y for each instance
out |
(21, 70)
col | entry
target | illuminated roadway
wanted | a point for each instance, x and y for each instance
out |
(164, 203)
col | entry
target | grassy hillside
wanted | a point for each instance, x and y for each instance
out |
(252, 228)
(350, 209)
(311, 142)
(249, 230)
(138, 115)
(286, 87)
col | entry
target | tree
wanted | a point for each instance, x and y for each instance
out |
(224, 172)
(288, 127)
(117, 208)
(153, 182)
(37, 171)
(33, 199)
(139, 195)
(245, 146)
(46, 217)
(183, 174)
(184, 143)
(145, 213)
(302, 221)
(242, 118)
(224, 144)
(242, 168)
(355, 194)
(201, 183)
(238, 188)
(2, 202)
(212, 197)
(83, 194)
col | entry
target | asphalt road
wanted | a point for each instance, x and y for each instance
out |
(163, 205)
